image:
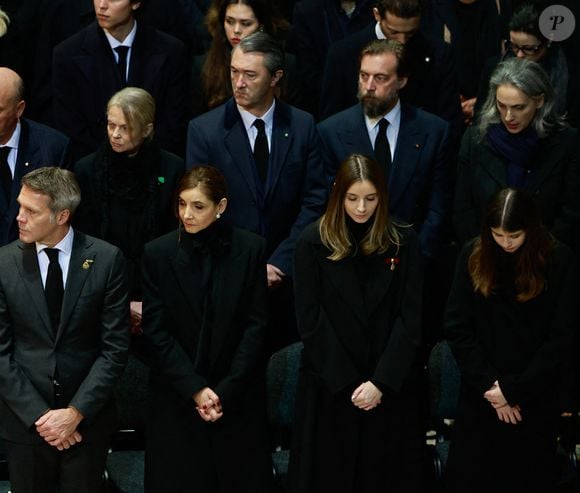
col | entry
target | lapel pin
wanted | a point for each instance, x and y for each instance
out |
(417, 146)
(27, 164)
(161, 180)
(87, 263)
(286, 134)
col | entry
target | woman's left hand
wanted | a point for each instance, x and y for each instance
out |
(366, 396)
(495, 396)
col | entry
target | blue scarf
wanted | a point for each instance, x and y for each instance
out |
(517, 149)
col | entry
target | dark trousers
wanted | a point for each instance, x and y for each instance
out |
(41, 468)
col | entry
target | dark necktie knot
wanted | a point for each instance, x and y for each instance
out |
(5, 172)
(122, 62)
(261, 151)
(52, 254)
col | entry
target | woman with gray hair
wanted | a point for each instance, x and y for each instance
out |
(128, 184)
(519, 141)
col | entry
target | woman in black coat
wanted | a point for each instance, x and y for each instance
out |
(510, 322)
(520, 142)
(358, 288)
(204, 320)
(127, 186)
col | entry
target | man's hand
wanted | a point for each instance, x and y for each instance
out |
(509, 414)
(275, 276)
(495, 396)
(58, 427)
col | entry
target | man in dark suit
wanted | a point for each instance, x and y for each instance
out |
(24, 146)
(92, 65)
(433, 80)
(418, 143)
(64, 335)
(268, 151)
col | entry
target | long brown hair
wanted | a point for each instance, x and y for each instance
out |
(215, 74)
(512, 210)
(333, 228)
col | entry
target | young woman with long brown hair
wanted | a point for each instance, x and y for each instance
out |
(358, 289)
(510, 318)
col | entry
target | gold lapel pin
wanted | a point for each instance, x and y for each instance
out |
(87, 263)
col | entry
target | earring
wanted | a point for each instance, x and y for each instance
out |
(261, 29)
(218, 215)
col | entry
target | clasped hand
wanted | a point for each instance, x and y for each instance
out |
(505, 412)
(208, 404)
(366, 396)
(58, 427)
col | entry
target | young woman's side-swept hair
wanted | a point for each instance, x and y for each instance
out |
(333, 228)
(512, 210)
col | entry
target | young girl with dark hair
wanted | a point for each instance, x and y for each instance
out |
(509, 322)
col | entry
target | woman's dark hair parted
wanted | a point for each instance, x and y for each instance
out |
(210, 179)
(512, 210)
(333, 226)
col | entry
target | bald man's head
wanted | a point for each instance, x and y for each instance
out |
(11, 102)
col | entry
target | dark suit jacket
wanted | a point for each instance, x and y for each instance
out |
(85, 76)
(419, 185)
(39, 146)
(433, 83)
(295, 193)
(315, 26)
(88, 352)
(554, 182)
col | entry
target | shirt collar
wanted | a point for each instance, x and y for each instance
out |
(379, 32)
(128, 41)
(64, 245)
(15, 138)
(393, 117)
(248, 118)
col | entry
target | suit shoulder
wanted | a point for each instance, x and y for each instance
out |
(211, 118)
(102, 246)
(45, 132)
(428, 119)
(167, 242)
(161, 39)
(311, 234)
(72, 44)
(340, 118)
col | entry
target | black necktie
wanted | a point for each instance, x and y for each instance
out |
(5, 173)
(53, 289)
(382, 147)
(261, 152)
(122, 63)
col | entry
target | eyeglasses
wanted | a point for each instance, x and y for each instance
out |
(526, 49)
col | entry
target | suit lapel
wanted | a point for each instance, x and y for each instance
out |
(282, 138)
(355, 138)
(238, 145)
(343, 275)
(408, 149)
(380, 281)
(80, 267)
(493, 166)
(30, 275)
(182, 270)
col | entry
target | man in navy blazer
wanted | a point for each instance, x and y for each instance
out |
(269, 153)
(418, 178)
(292, 193)
(28, 145)
(433, 79)
(88, 69)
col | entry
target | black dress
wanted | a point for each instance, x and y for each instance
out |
(359, 319)
(522, 346)
(204, 320)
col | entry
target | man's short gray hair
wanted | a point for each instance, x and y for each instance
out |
(60, 185)
(261, 42)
